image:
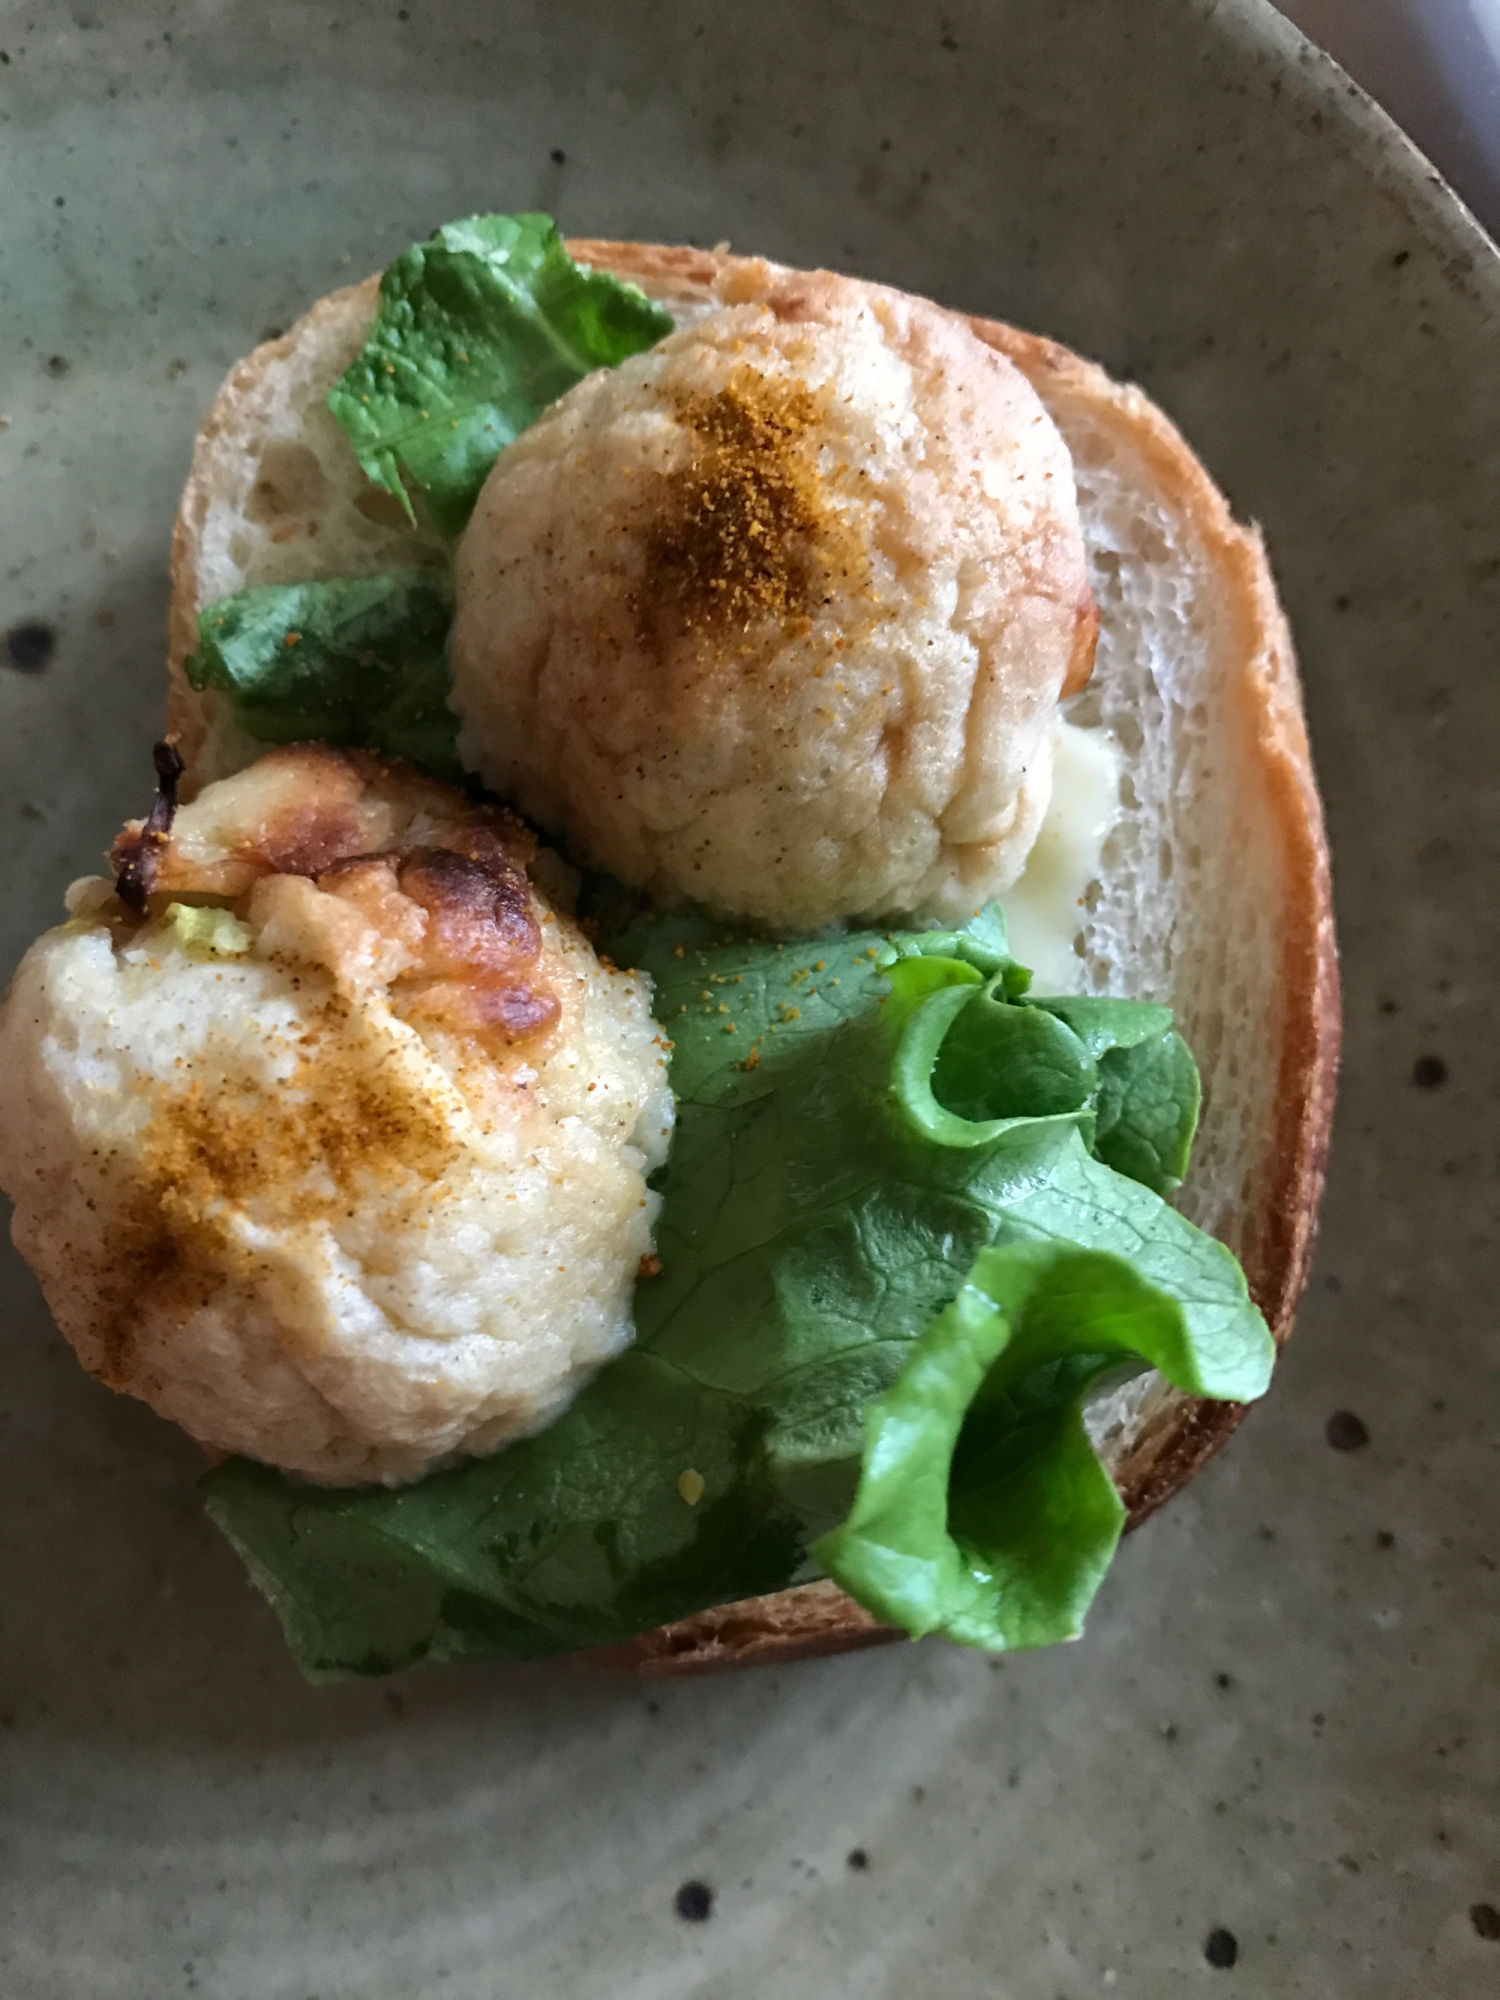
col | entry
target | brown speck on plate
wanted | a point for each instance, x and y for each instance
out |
(1345, 1431)
(29, 647)
(694, 1902)
(1221, 1948)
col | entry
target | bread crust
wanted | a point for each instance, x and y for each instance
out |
(1184, 1432)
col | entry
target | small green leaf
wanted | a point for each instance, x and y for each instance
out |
(1074, 1198)
(359, 661)
(1102, 1024)
(983, 943)
(1146, 1112)
(973, 1070)
(573, 1538)
(480, 328)
(982, 1511)
(1000, 1061)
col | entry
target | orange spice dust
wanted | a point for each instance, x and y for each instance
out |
(744, 532)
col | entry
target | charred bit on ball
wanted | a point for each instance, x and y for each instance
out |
(139, 860)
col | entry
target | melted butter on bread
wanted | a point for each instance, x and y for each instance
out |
(1044, 912)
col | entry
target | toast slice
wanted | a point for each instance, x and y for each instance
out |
(1214, 891)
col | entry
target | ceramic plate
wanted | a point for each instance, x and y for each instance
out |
(1282, 1722)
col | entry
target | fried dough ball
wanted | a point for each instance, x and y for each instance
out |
(776, 616)
(336, 1151)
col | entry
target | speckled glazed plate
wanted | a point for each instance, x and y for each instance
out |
(1282, 1723)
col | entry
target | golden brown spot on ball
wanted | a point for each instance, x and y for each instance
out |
(744, 532)
(346, 1120)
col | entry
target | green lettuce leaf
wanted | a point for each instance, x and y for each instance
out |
(818, 1217)
(576, 1537)
(480, 328)
(360, 661)
(972, 1067)
(983, 1512)
(1146, 1110)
